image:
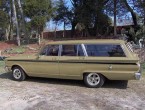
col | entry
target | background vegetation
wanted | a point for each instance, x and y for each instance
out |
(21, 19)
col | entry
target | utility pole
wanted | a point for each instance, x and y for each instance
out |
(16, 23)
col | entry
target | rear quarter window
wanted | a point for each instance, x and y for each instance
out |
(105, 50)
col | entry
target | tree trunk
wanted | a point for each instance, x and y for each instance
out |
(7, 33)
(73, 29)
(144, 14)
(16, 23)
(64, 30)
(115, 26)
(133, 14)
(55, 30)
(23, 21)
(39, 39)
(11, 21)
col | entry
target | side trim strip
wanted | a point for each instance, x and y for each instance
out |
(122, 63)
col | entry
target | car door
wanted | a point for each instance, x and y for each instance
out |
(70, 61)
(47, 62)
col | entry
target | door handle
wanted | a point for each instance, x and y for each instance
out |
(110, 67)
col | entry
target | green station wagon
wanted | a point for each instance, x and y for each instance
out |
(90, 60)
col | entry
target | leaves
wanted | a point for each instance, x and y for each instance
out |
(39, 12)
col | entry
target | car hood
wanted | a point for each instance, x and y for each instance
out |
(26, 57)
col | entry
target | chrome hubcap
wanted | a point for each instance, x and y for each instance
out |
(93, 79)
(17, 74)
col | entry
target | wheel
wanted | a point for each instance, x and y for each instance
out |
(18, 74)
(94, 80)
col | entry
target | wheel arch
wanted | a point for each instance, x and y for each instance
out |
(87, 72)
(17, 65)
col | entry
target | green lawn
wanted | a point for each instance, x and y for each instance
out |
(143, 69)
(16, 50)
(2, 64)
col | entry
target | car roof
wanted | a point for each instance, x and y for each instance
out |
(106, 41)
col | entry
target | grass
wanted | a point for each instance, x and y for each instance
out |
(143, 69)
(2, 64)
(17, 50)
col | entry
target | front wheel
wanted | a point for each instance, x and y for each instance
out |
(18, 74)
(94, 80)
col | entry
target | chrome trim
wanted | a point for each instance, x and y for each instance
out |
(137, 76)
(84, 50)
(60, 50)
(123, 48)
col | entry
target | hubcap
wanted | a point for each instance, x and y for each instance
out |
(93, 79)
(17, 74)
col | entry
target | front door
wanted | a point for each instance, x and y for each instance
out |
(47, 62)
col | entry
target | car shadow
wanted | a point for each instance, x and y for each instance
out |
(108, 84)
(6, 76)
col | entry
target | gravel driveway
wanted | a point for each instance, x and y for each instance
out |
(55, 94)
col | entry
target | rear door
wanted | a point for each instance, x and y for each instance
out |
(70, 61)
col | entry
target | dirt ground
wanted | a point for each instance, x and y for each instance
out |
(55, 94)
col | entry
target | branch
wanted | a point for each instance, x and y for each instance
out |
(72, 2)
(106, 1)
(131, 11)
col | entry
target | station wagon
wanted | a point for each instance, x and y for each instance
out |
(93, 61)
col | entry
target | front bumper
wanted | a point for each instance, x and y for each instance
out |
(7, 69)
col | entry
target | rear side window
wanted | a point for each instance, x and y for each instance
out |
(104, 50)
(72, 50)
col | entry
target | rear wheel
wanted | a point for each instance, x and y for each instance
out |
(18, 74)
(94, 80)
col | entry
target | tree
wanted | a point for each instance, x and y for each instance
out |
(39, 12)
(90, 13)
(4, 18)
(16, 23)
(134, 17)
(62, 14)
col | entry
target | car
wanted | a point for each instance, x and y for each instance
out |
(92, 61)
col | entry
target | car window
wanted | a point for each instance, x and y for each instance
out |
(72, 50)
(104, 50)
(50, 50)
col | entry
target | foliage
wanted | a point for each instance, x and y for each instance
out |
(137, 34)
(62, 12)
(121, 8)
(4, 19)
(143, 66)
(39, 12)
(90, 13)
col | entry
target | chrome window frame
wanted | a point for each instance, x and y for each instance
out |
(84, 50)
(122, 47)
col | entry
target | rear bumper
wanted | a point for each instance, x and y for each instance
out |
(137, 76)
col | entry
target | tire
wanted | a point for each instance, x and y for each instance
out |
(18, 74)
(94, 80)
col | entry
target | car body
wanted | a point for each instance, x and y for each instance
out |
(90, 60)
